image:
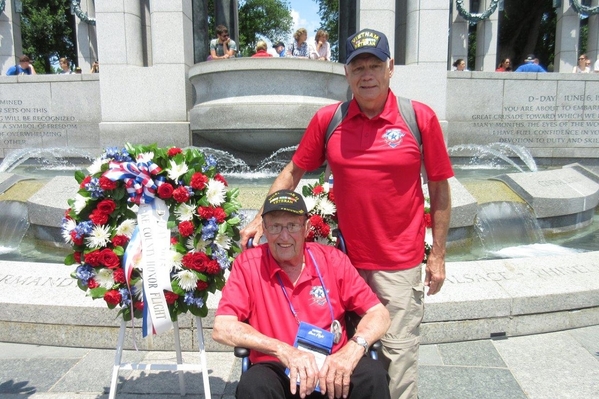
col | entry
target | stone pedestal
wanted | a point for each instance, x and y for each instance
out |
(459, 38)
(593, 38)
(379, 15)
(486, 41)
(11, 46)
(426, 42)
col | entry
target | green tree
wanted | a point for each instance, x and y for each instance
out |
(267, 18)
(46, 29)
(328, 10)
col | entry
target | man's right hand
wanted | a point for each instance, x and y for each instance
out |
(303, 365)
(252, 230)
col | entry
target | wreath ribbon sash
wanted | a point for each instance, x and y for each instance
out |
(154, 233)
(138, 178)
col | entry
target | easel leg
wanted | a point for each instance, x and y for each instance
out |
(203, 361)
(117, 361)
(179, 357)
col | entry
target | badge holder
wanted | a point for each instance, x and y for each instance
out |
(314, 340)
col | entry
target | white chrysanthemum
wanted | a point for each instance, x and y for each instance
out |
(185, 212)
(310, 203)
(187, 280)
(138, 289)
(104, 278)
(99, 237)
(176, 170)
(199, 246)
(67, 227)
(96, 166)
(145, 157)
(80, 203)
(126, 228)
(176, 259)
(326, 206)
(215, 192)
(223, 241)
(325, 186)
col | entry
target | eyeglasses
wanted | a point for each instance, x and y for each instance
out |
(225, 35)
(581, 59)
(277, 228)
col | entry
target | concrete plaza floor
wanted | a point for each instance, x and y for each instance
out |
(555, 365)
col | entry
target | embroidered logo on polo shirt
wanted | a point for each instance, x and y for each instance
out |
(393, 137)
(317, 294)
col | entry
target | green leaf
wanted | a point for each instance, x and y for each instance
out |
(70, 259)
(97, 292)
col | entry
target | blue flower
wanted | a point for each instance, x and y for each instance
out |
(221, 257)
(116, 154)
(191, 300)
(84, 273)
(125, 297)
(210, 229)
(210, 163)
(94, 188)
(84, 228)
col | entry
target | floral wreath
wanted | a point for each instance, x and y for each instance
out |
(475, 18)
(200, 233)
(322, 212)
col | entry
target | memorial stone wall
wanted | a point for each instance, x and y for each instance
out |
(553, 115)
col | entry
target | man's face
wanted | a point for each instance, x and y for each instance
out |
(286, 247)
(369, 77)
(24, 64)
(223, 37)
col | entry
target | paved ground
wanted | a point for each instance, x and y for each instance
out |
(555, 365)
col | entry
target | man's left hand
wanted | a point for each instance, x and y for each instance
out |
(334, 376)
(435, 274)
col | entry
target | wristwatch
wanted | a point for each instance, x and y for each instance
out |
(361, 341)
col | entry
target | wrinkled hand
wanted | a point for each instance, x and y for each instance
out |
(435, 274)
(252, 230)
(300, 364)
(336, 372)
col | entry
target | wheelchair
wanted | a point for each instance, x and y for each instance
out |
(351, 320)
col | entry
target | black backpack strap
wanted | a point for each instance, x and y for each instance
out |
(406, 110)
(338, 116)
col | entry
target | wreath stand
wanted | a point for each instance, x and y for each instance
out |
(180, 367)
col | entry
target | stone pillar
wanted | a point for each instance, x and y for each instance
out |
(164, 85)
(458, 37)
(593, 39)
(347, 24)
(378, 15)
(401, 7)
(486, 41)
(119, 33)
(87, 40)
(427, 42)
(227, 14)
(567, 34)
(201, 41)
(11, 46)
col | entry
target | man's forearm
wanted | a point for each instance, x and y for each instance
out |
(440, 200)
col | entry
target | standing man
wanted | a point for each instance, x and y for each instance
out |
(222, 47)
(24, 67)
(288, 291)
(378, 192)
(280, 49)
(531, 64)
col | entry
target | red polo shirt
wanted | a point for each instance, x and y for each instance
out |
(253, 293)
(376, 169)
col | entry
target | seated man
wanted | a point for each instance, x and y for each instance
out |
(222, 47)
(274, 287)
(23, 68)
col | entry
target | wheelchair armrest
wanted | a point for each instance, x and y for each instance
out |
(241, 352)
(376, 346)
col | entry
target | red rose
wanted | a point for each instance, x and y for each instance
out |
(170, 297)
(198, 181)
(113, 297)
(118, 275)
(109, 259)
(181, 194)
(174, 240)
(205, 212)
(201, 285)
(428, 223)
(165, 191)
(93, 258)
(331, 195)
(318, 190)
(120, 241)
(174, 151)
(221, 179)
(186, 228)
(98, 217)
(91, 284)
(195, 261)
(77, 257)
(138, 305)
(107, 184)
(219, 214)
(85, 181)
(106, 206)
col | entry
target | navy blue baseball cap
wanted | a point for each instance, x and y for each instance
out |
(285, 200)
(367, 41)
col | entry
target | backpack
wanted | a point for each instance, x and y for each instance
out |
(406, 110)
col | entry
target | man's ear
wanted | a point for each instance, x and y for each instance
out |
(391, 67)
(308, 226)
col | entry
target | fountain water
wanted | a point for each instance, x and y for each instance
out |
(15, 222)
(50, 158)
(492, 154)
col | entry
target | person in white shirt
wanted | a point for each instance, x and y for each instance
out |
(321, 49)
(582, 65)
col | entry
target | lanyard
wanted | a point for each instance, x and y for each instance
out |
(326, 294)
